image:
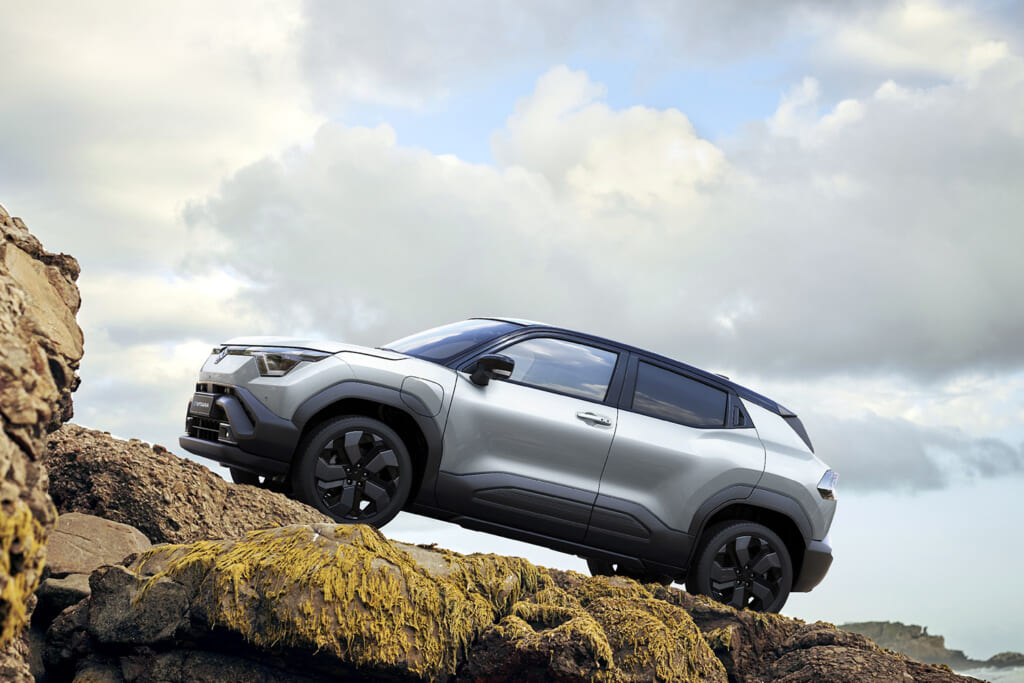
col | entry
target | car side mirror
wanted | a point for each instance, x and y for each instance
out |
(491, 366)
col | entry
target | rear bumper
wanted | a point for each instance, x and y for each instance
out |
(817, 560)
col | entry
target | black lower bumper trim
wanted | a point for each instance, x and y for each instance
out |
(817, 560)
(232, 456)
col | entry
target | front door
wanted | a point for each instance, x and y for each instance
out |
(527, 452)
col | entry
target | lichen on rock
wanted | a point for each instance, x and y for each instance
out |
(40, 348)
(343, 590)
(348, 592)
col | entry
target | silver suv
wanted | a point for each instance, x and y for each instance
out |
(642, 465)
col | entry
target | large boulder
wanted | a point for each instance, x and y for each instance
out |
(79, 545)
(341, 602)
(372, 609)
(167, 498)
(40, 348)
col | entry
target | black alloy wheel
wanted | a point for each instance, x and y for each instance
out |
(606, 568)
(355, 470)
(742, 564)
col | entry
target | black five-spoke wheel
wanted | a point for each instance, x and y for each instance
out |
(743, 564)
(354, 469)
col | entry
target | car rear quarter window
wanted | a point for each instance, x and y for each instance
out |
(563, 366)
(670, 396)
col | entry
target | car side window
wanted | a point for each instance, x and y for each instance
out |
(670, 396)
(563, 366)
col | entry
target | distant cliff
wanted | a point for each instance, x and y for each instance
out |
(915, 641)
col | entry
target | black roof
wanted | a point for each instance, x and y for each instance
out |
(713, 378)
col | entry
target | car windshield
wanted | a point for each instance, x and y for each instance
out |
(448, 341)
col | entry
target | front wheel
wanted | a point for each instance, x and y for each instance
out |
(743, 564)
(354, 469)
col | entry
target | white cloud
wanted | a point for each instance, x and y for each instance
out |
(868, 238)
(922, 37)
(641, 156)
(137, 308)
(124, 111)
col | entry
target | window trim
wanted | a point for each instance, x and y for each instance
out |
(612, 395)
(629, 393)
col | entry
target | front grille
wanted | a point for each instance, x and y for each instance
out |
(207, 428)
(211, 388)
(204, 428)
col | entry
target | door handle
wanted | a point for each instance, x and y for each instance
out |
(594, 418)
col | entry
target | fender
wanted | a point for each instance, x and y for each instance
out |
(406, 403)
(753, 497)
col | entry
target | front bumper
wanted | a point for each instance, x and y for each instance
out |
(233, 456)
(817, 560)
(236, 430)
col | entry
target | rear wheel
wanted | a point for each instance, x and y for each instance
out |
(606, 568)
(354, 469)
(742, 564)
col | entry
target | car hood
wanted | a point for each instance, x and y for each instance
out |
(314, 344)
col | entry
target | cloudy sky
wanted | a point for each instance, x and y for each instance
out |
(822, 200)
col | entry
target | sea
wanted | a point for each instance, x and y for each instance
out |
(1013, 674)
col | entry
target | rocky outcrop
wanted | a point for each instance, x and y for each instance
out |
(237, 596)
(167, 498)
(79, 545)
(915, 641)
(370, 607)
(340, 602)
(40, 348)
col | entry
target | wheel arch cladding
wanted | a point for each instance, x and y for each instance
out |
(777, 521)
(420, 435)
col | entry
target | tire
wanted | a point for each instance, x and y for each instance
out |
(742, 564)
(355, 470)
(606, 568)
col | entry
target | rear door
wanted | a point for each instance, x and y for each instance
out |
(680, 439)
(528, 452)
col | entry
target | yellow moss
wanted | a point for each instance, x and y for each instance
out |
(546, 614)
(22, 556)
(720, 638)
(345, 590)
(653, 635)
(512, 628)
(361, 598)
(594, 587)
(580, 628)
(768, 619)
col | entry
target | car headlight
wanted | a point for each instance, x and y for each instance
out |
(272, 362)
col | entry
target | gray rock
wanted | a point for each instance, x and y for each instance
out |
(120, 612)
(57, 594)
(82, 543)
